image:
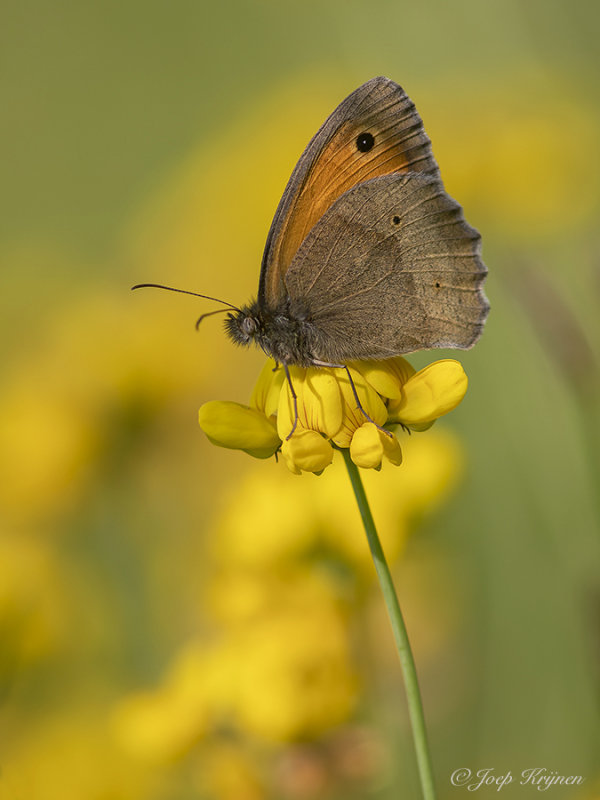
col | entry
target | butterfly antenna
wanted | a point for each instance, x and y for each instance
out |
(209, 314)
(184, 291)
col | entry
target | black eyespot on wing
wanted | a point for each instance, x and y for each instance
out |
(364, 142)
(437, 285)
(396, 220)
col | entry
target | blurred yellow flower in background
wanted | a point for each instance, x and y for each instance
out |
(390, 393)
(228, 770)
(280, 672)
(32, 603)
(71, 754)
(102, 371)
(296, 518)
(286, 584)
(516, 169)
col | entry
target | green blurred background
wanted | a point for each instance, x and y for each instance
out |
(175, 620)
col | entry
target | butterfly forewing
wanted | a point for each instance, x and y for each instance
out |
(391, 267)
(375, 131)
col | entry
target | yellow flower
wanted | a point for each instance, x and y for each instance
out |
(326, 415)
(369, 444)
(233, 425)
(429, 394)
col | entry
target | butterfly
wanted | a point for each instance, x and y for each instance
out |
(367, 257)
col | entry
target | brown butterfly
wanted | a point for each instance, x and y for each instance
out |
(367, 257)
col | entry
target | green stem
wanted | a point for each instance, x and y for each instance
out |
(407, 663)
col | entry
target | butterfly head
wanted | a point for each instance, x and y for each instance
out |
(244, 325)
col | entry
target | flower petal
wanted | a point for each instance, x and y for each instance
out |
(369, 445)
(391, 449)
(285, 412)
(238, 427)
(430, 393)
(307, 451)
(265, 395)
(319, 402)
(353, 417)
(386, 377)
(366, 448)
(322, 401)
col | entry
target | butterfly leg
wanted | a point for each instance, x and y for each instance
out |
(294, 399)
(354, 392)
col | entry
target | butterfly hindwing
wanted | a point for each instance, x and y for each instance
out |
(375, 131)
(391, 267)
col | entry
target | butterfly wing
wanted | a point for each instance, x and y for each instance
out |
(393, 140)
(391, 267)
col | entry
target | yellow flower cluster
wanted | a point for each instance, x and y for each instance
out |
(391, 393)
